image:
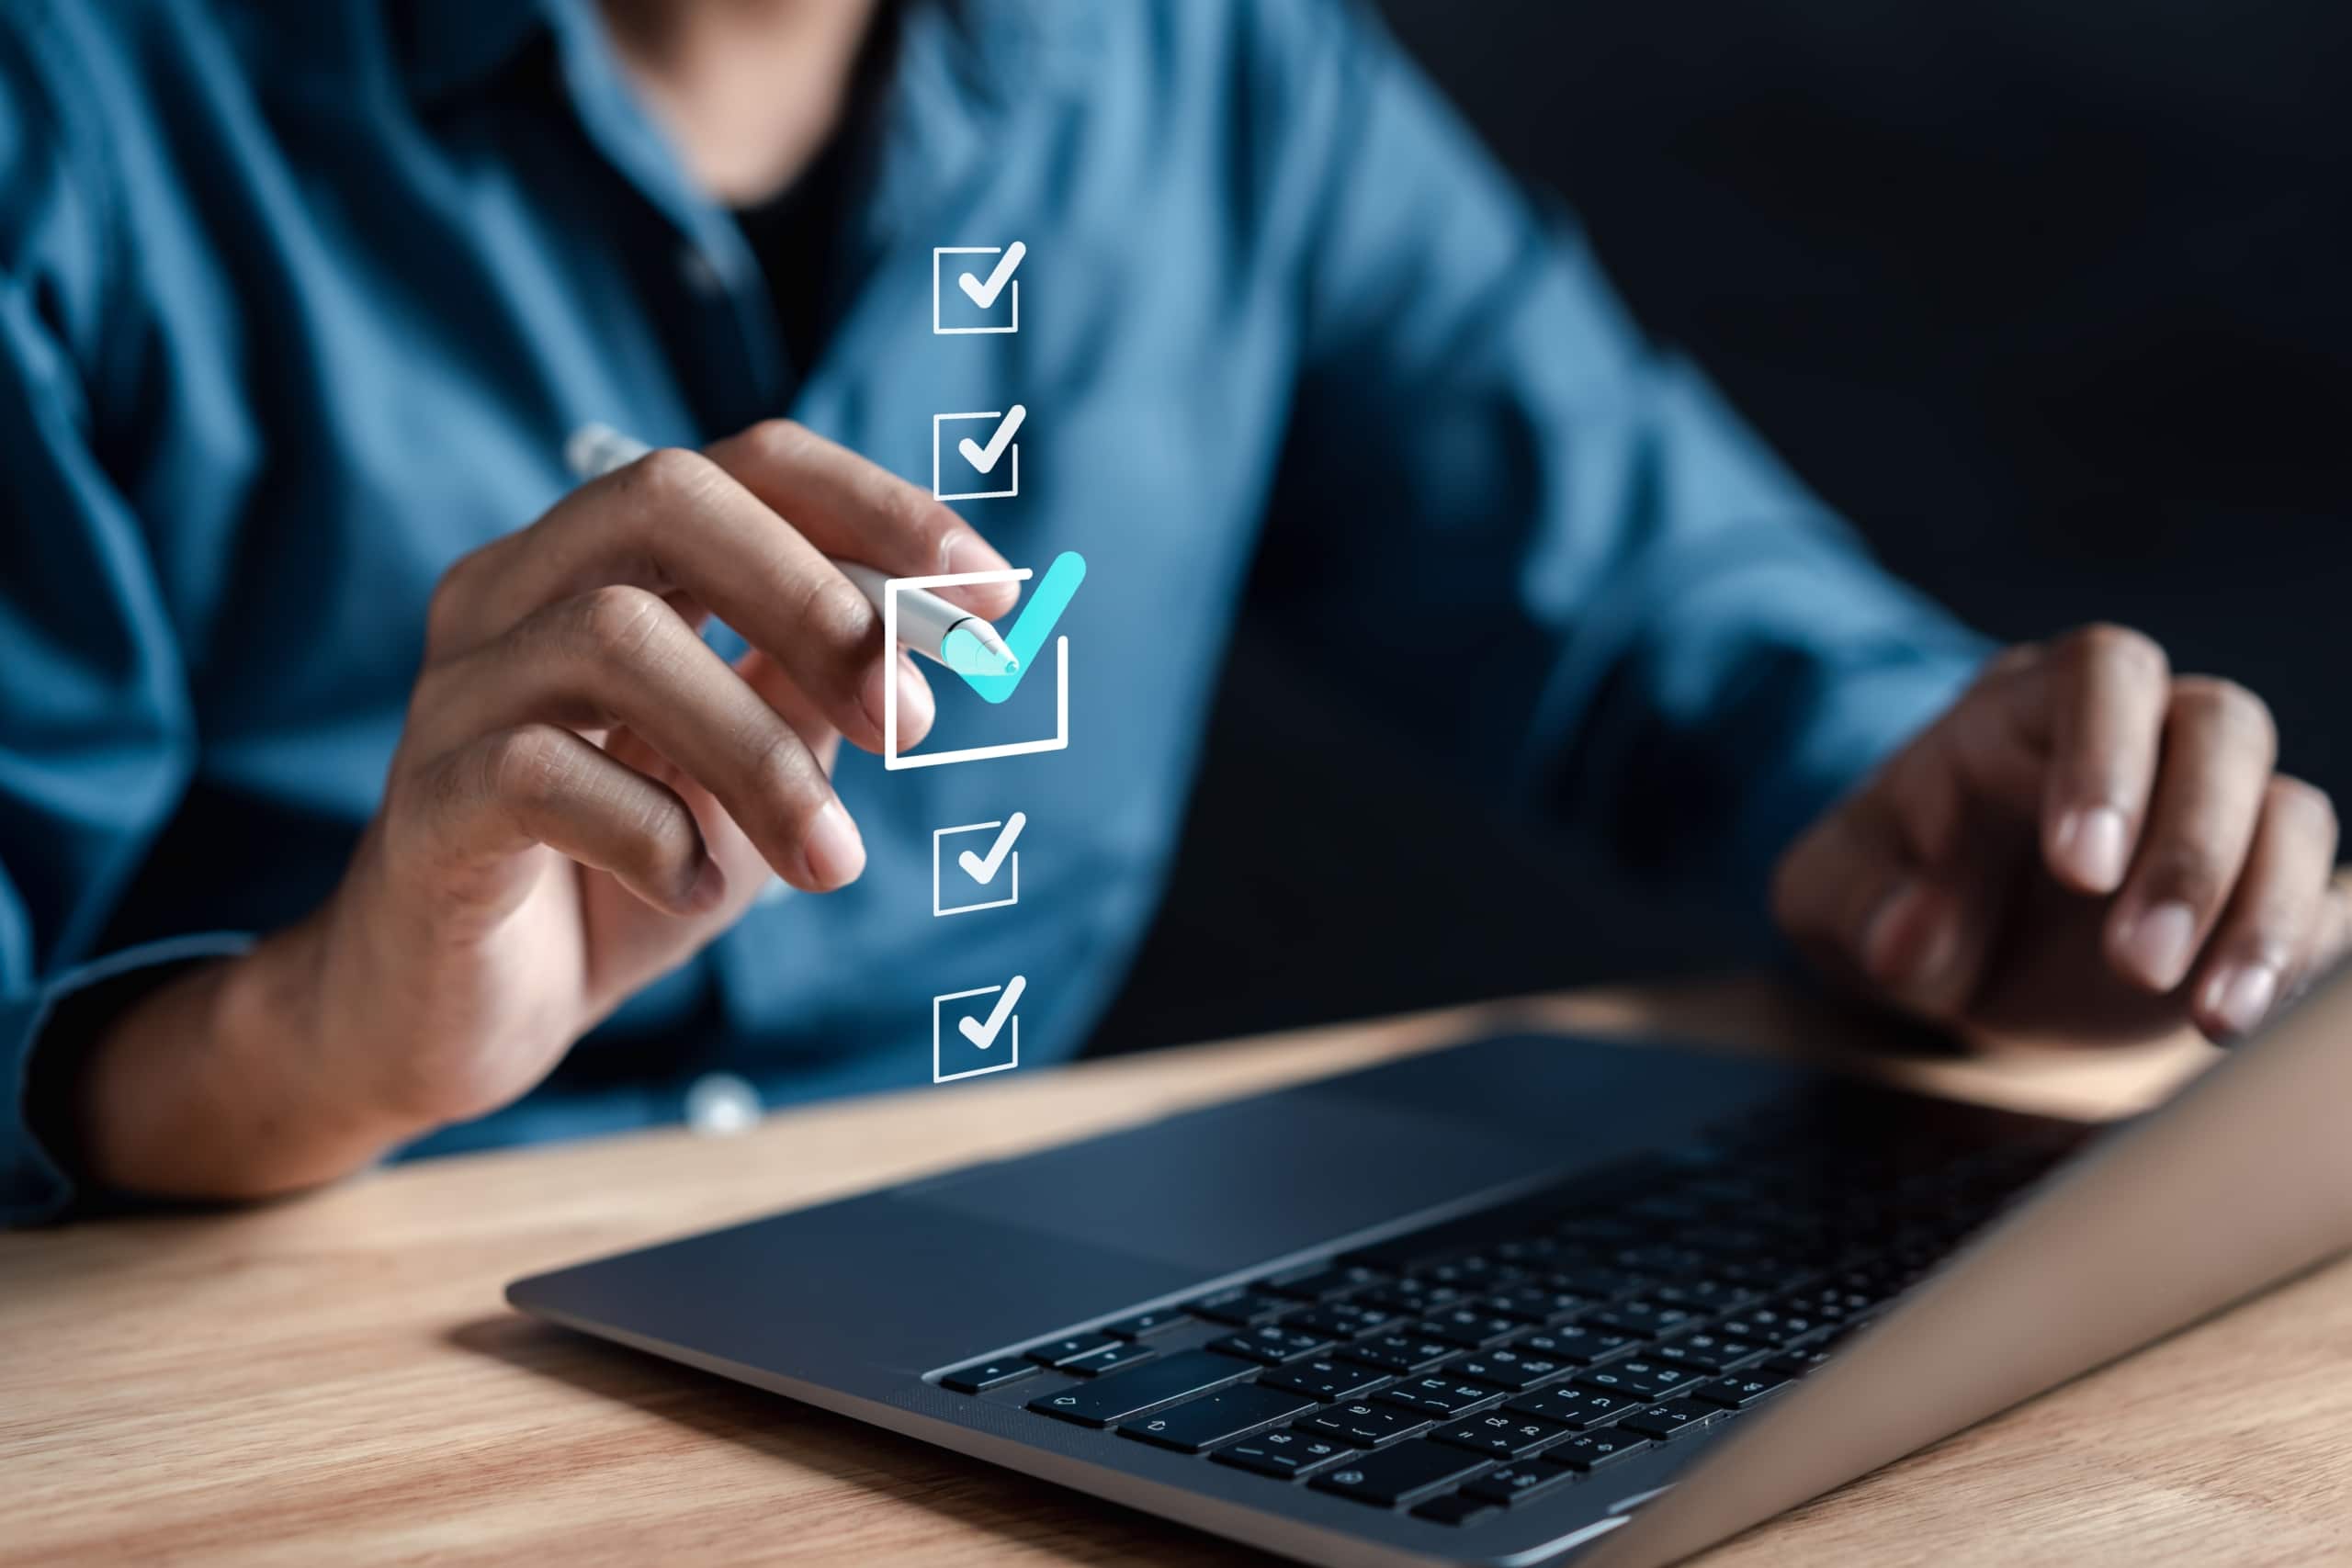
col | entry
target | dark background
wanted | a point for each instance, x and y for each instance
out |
(2048, 298)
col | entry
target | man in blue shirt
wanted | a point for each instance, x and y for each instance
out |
(345, 808)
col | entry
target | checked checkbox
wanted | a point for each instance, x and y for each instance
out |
(987, 1036)
(976, 462)
(970, 881)
(983, 276)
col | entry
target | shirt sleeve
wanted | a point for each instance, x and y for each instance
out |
(1548, 547)
(96, 734)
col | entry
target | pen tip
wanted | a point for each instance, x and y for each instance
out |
(966, 653)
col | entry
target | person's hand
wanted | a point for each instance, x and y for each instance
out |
(2084, 848)
(584, 794)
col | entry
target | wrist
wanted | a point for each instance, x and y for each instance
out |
(223, 1084)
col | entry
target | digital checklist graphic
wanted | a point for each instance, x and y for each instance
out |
(976, 455)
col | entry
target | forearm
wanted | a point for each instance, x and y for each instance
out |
(218, 1085)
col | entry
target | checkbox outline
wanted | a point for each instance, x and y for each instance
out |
(938, 1072)
(938, 838)
(893, 759)
(1013, 287)
(938, 436)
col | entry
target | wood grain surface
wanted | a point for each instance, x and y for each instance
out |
(336, 1378)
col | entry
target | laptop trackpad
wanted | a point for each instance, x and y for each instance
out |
(1237, 1185)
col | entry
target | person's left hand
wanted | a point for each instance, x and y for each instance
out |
(2084, 848)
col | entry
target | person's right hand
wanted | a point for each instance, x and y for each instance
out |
(584, 794)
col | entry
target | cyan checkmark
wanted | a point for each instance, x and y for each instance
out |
(1036, 622)
(984, 294)
(984, 457)
(983, 1034)
(984, 871)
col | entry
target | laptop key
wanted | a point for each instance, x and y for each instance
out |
(1365, 1426)
(1535, 1303)
(1593, 1449)
(1575, 1408)
(1144, 1325)
(1325, 1283)
(1519, 1482)
(1599, 1284)
(1703, 1296)
(1643, 1319)
(1284, 1455)
(1455, 1508)
(1703, 1350)
(1343, 1320)
(1499, 1434)
(1240, 1306)
(1577, 1345)
(1327, 1378)
(1071, 1349)
(1113, 1399)
(990, 1374)
(1412, 1295)
(1272, 1343)
(1469, 1326)
(1670, 1419)
(1402, 1352)
(1399, 1475)
(1441, 1394)
(1798, 1360)
(1640, 1379)
(1214, 1418)
(1739, 1393)
(1110, 1358)
(1506, 1368)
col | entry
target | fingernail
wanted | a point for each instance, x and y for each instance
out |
(2159, 944)
(2093, 842)
(916, 708)
(2241, 995)
(834, 852)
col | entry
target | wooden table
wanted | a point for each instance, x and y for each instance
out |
(336, 1378)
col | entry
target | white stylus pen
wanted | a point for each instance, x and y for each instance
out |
(948, 633)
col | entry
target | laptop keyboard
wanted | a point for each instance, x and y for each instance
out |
(1492, 1362)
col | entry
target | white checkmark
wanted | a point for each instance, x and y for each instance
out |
(984, 871)
(984, 457)
(984, 1034)
(984, 294)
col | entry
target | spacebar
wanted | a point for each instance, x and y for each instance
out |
(1121, 1394)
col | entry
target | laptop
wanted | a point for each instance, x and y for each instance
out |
(1527, 1300)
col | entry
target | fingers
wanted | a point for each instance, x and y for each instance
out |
(541, 784)
(744, 534)
(622, 657)
(1857, 895)
(2218, 746)
(2282, 921)
(1842, 893)
(2107, 694)
(856, 509)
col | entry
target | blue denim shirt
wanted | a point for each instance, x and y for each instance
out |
(299, 303)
